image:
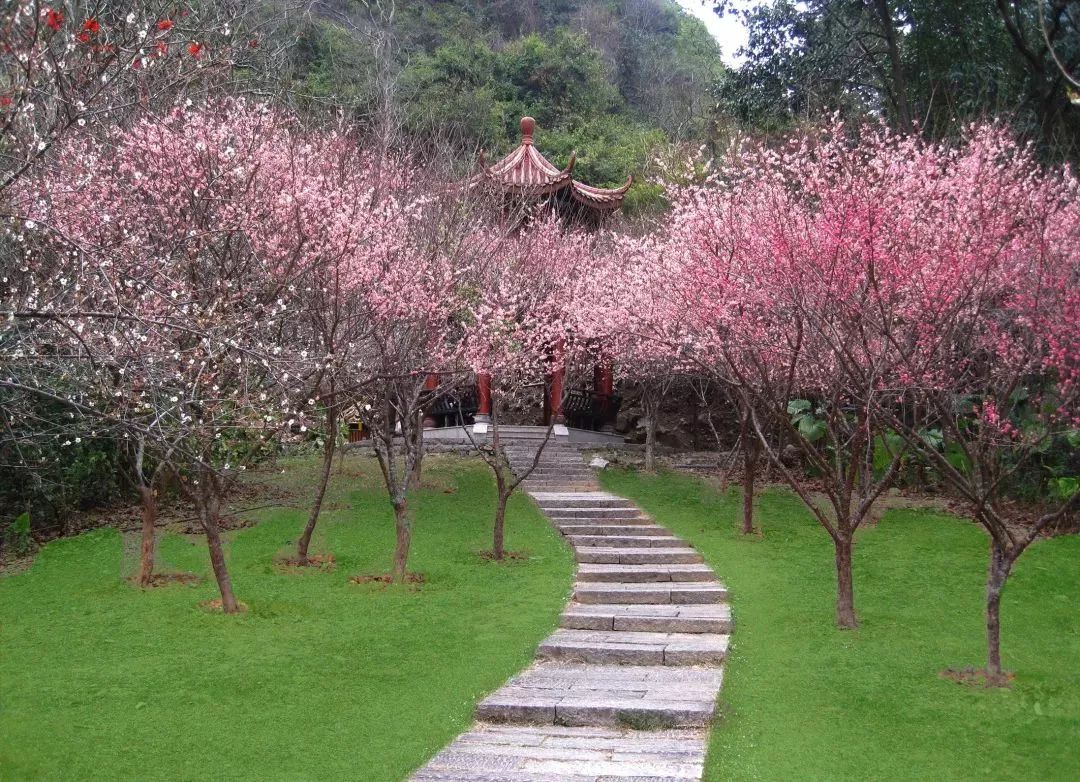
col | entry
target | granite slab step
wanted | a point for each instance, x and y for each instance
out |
(546, 467)
(618, 529)
(553, 753)
(644, 573)
(637, 556)
(599, 499)
(639, 696)
(635, 519)
(623, 593)
(631, 521)
(593, 512)
(560, 482)
(664, 618)
(574, 472)
(626, 541)
(629, 647)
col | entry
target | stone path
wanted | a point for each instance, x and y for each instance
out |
(625, 689)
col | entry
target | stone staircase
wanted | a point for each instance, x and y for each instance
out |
(626, 687)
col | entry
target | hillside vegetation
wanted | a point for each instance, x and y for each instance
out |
(609, 80)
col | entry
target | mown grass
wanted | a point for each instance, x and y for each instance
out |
(321, 679)
(804, 701)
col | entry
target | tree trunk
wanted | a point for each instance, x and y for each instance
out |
(418, 452)
(650, 442)
(149, 522)
(845, 592)
(329, 449)
(498, 542)
(997, 573)
(899, 90)
(750, 464)
(209, 513)
(403, 527)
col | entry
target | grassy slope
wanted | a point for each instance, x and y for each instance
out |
(806, 701)
(321, 680)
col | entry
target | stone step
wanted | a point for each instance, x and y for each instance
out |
(633, 521)
(626, 541)
(551, 477)
(526, 457)
(626, 512)
(644, 573)
(579, 528)
(526, 460)
(628, 647)
(548, 469)
(552, 753)
(636, 696)
(637, 556)
(623, 593)
(545, 474)
(669, 618)
(525, 437)
(531, 486)
(581, 499)
(557, 476)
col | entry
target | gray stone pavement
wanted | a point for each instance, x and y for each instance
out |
(625, 689)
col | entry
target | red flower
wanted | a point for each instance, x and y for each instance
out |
(161, 49)
(195, 49)
(5, 100)
(91, 26)
(165, 24)
(254, 43)
(54, 19)
(83, 37)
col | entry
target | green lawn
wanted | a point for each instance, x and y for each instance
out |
(804, 701)
(323, 679)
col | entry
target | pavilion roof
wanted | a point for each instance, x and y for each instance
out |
(527, 173)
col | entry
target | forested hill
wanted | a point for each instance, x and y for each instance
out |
(609, 79)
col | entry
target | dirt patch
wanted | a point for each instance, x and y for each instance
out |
(164, 579)
(227, 523)
(975, 677)
(335, 506)
(384, 578)
(512, 556)
(324, 562)
(214, 606)
(14, 566)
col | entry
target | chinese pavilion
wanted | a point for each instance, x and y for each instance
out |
(526, 178)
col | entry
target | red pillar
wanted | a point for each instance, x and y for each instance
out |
(603, 388)
(483, 397)
(431, 382)
(607, 390)
(607, 380)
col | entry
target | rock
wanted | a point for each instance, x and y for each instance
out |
(599, 463)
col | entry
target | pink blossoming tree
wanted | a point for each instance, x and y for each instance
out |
(988, 337)
(788, 260)
(521, 332)
(84, 66)
(168, 279)
(409, 290)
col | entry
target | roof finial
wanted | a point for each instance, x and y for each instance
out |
(528, 124)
